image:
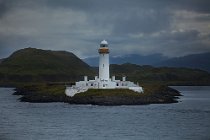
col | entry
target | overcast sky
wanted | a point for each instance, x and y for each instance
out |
(170, 27)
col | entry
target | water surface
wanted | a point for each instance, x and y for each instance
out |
(188, 119)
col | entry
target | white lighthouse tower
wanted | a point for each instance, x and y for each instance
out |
(103, 61)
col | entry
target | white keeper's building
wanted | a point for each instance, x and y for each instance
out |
(103, 81)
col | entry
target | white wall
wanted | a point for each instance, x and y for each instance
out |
(104, 67)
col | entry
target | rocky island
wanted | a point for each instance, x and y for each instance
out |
(55, 93)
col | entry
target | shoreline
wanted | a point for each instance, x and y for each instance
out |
(47, 94)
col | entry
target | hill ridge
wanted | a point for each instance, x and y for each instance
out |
(199, 61)
(43, 65)
(37, 65)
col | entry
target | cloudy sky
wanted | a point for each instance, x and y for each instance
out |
(170, 27)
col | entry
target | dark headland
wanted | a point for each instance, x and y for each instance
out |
(41, 76)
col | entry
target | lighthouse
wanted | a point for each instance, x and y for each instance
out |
(103, 81)
(103, 61)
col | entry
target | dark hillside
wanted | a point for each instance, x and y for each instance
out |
(199, 61)
(162, 75)
(33, 65)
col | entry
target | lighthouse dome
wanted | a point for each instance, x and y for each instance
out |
(104, 43)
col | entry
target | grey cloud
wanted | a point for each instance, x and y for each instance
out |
(195, 5)
(179, 43)
(169, 43)
(180, 36)
(203, 18)
(4, 8)
(142, 21)
(142, 26)
(192, 5)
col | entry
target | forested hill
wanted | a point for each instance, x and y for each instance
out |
(33, 65)
(199, 61)
(36, 65)
(161, 75)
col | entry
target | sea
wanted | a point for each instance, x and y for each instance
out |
(189, 119)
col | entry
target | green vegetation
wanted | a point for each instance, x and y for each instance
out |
(43, 89)
(162, 75)
(152, 95)
(59, 90)
(42, 93)
(35, 65)
(149, 90)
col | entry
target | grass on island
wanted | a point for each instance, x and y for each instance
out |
(43, 93)
(44, 89)
(59, 90)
